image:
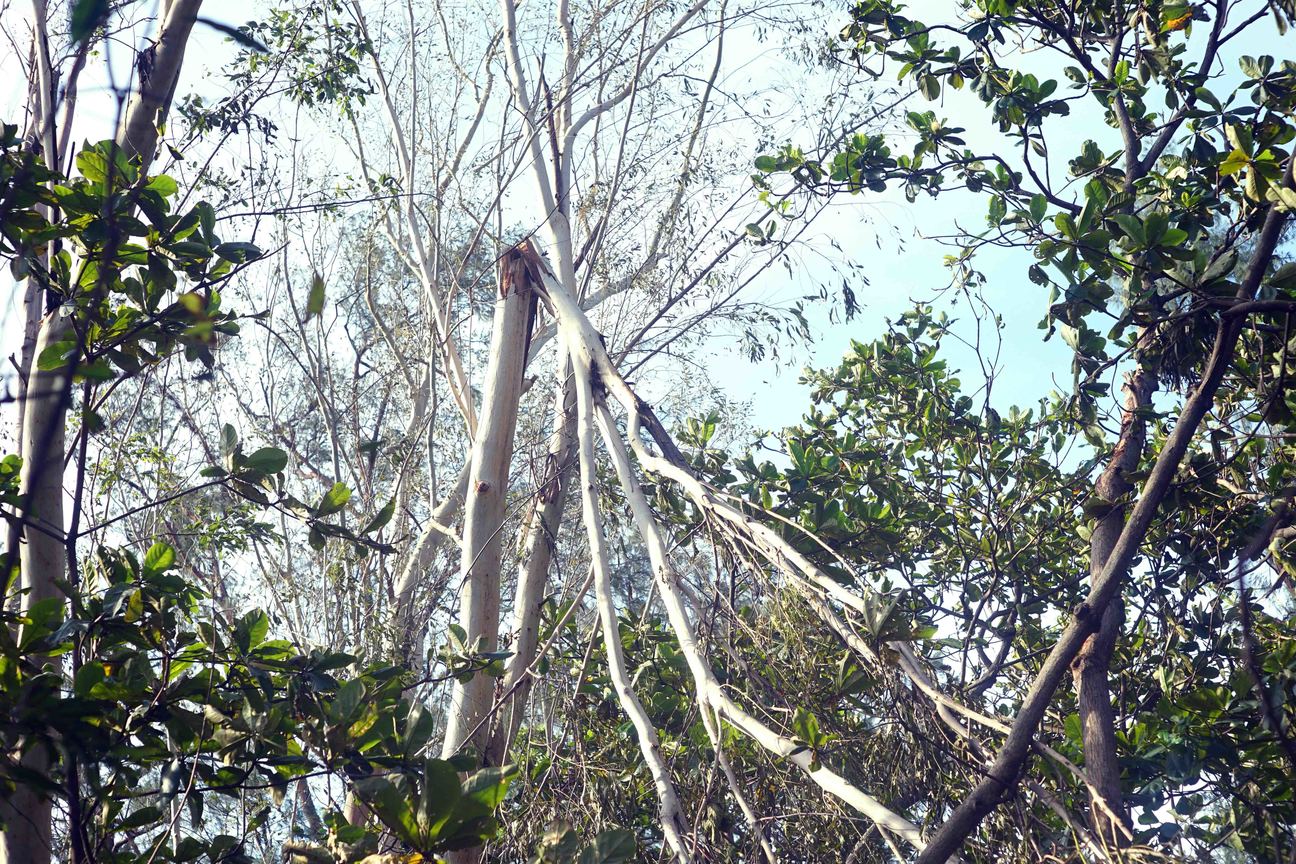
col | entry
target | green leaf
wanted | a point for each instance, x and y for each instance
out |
(334, 500)
(236, 34)
(1038, 208)
(160, 557)
(86, 17)
(267, 460)
(55, 356)
(806, 726)
(488, 785)
(1132, 226)
(390, 806)
(139, 818)
(239, 252)
(610, 847)
(315, 300)
(1284, 278)
(1233, 163)
(349, 697)
(163, 185)
(228, 441)
(87, 677)
(381, 518)
(251, 629)
(439, 797)
(1208, 97)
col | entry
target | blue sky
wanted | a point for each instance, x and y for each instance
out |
(887, 237)
(1028, 368)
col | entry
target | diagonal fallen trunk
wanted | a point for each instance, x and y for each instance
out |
(593, 368)
(672, 820)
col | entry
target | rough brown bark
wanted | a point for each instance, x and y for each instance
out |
(1011, 759)
(1089, 671)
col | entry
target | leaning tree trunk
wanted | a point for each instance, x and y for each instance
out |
(1089, 670)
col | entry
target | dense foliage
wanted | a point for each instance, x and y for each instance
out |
(331, 580)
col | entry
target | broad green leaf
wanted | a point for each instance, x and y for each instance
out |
(228, 441)
(163, 185)
(55, 356)
(86, 16)
(438, 799)
(87, 677)
(315, 299)
(266, 460)
(159, 557)
(334, 500)
(616, 846)
(381, 518)
(348, 699)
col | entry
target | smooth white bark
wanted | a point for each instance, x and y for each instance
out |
(672, 819)
(537, 556)
(492, 453)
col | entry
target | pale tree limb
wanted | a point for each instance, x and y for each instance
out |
(673, 823)
(138, 135)
(574, 127)
(591, 362)
(709, 690)
(537, 555)
(712, 724)
(421, 554)
(455, 374)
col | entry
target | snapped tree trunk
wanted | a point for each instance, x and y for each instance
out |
(479, 592)
(537, 555)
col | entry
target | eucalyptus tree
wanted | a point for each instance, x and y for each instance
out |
(625, 181)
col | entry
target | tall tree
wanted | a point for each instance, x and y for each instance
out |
(46, 389)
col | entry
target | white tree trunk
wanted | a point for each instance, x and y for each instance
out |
(138, 133)
(479, 593)
(534, 570)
